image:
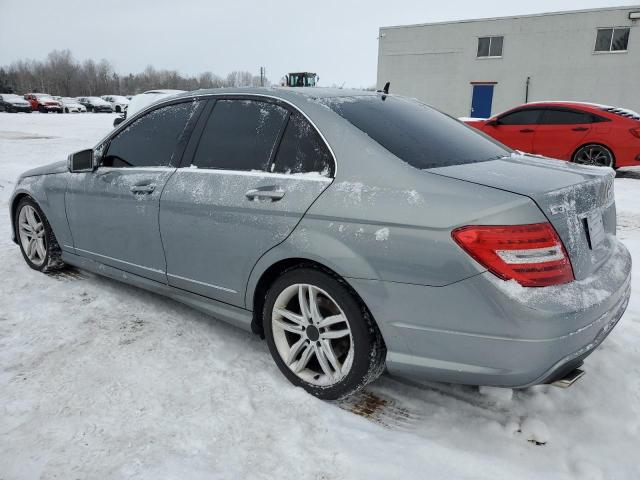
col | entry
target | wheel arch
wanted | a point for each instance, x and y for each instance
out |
(599, 143)
(12, 212)
(270, 274)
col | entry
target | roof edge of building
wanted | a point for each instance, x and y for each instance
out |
(512, 17)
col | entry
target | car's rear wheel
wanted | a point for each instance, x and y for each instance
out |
(594, 155)
(320, 335)
(38, 244)
(41, 109)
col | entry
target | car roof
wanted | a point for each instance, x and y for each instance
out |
(285, 93)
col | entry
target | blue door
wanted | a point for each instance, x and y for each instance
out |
(482, 101)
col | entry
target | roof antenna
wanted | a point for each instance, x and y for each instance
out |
(386, 88)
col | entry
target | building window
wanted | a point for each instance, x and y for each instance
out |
(490, 47)
(612, 39)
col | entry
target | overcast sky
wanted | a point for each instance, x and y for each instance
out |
(335, 38)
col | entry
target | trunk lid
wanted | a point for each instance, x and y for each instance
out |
(577, 200)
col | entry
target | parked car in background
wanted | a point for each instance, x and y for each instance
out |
(118, 102)
(350, 228)
(95, 104)
(43, 102)
(578, 132)
(138, 102)
(71, 105)
(13, 103)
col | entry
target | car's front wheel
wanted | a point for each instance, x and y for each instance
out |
(38, 244)
(595, 155)
(320, 335)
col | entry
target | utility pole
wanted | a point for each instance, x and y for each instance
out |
(262, 76)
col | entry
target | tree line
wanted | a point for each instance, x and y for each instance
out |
(61, 74)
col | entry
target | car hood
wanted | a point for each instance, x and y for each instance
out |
(50, 169)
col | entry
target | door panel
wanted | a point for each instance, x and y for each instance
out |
(482, 101)
(113, 211)
(214, 228)
(241, 196)
(113, 215)
(516, 129)
(561, 132)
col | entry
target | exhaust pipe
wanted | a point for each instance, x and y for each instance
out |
(569, 379)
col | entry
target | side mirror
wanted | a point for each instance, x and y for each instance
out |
(81, 161)
(117, 121)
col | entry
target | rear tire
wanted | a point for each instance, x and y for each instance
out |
(595, 155)
(41, 109)
(330, 346)
(38, 244)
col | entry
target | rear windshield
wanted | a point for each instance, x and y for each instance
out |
(420, 135)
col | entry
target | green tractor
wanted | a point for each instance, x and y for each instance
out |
(301, 79)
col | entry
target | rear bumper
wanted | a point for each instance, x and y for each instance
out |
(484, 331)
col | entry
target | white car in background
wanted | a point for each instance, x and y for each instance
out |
(118, 102)
(71, 105)
(138, 102)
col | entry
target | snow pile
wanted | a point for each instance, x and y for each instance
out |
(102, 380)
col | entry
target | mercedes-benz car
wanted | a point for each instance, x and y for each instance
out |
(11, 103)
(354, 231)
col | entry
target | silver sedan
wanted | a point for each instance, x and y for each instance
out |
(352, 230)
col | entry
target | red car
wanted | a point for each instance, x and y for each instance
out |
(578, 132)
(43, 102)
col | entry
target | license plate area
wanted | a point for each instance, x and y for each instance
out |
(595, 229)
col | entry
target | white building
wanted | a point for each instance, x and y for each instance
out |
(482, 67)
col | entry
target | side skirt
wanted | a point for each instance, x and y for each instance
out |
(236, 316)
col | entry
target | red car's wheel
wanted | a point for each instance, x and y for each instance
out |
(595, 155)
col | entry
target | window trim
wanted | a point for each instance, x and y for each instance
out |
(521, 109)
(189, 153)
(486, 57)
(182, 145)
(594, 117)
(610, 51)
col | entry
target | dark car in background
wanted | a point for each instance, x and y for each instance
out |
(13, 103)
(43, 102)
(95, 104)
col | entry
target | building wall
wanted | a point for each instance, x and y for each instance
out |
(437, 63)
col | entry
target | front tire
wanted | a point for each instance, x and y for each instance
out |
(595, 155)
(37, 242)
(320, 335)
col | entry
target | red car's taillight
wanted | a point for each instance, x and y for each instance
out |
(533, 255)
(635, 132)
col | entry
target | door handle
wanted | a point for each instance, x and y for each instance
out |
(271, 194)
(527, 130)
(580, 129)
(144, 189)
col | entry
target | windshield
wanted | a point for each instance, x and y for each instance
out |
(302, 80)
(416, 133)
(44, 97)
(97, 100)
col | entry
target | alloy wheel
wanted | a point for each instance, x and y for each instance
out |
(312, 335)
(595, 155)
(32, 235)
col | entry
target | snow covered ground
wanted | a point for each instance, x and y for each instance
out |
(99, 380)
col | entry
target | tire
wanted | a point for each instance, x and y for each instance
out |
(41, 109)
(594, 154)
(66, 110)
(118, 109)
(337, 363)
(48, 257)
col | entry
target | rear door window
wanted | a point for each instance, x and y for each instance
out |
(565, 117)
(240, 135)
(527, 116)
(153, 139)
(302, 150)
(414, 132)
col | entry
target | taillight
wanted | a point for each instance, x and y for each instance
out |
(533, 255)
(635, 132)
